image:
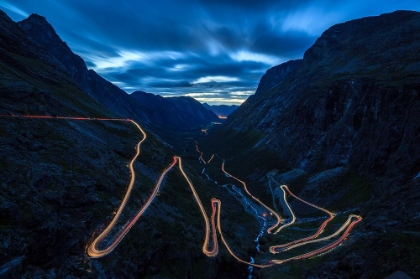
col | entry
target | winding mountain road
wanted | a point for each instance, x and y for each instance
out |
(214, 223)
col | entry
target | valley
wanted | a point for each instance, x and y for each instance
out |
(268, 215)
(316, 175)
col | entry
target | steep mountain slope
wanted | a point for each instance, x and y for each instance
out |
(61, 180)
(276, 74)
(349, 99)
(41, 32)
(351, 106)
(106, 93)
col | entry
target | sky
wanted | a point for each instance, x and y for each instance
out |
(213, 50)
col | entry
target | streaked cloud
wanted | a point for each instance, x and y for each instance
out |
(214, 79)
(256, 57)
(216, 50)
(242, 93)
(12, 8)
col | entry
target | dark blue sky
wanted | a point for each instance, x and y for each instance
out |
(213, 50)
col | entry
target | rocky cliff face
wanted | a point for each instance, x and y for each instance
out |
(351, 100)
(352, 103)
(276, 74)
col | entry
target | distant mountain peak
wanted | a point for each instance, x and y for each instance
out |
(221, 110)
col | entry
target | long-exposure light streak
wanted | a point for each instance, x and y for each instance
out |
(201, 155)
(279, 219)
(215, 250)
(315, 235)
(345, 225)
(290, 210)
(219, 228)
(210, 226)
(93, 250)
(211, 158)
(325, 248)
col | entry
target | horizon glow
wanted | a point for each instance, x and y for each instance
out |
(201, 47)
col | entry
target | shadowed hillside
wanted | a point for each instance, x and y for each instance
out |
(345, 118)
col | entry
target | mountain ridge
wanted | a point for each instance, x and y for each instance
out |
(347, 117)
(310, 95)
(185, 110)
(64, 170)
(109, 95)
(348, 137)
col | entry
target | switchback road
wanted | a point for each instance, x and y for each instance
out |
(214, 223)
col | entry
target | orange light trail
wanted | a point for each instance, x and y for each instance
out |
(219, 228)
(316, 234)
(215, 250)
(325, 248)
(201, 155)
(65, 117)
(345, 225)
(93, 250)
(348, 225)
(210, 226)
(290, 210)
(279, 219)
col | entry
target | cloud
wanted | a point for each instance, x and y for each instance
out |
(194, 46)
(256, 57)
(13, 9)
(209, 79)
(170, 84)
(242, 93)
(311, 20)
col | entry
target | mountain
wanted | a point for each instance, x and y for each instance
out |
(340, 127)
(221, 110)
(347, 93)
(110, 96)
(347, 117)
(276, 74)
(178, 112)
(62, 179)
(41, 32)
